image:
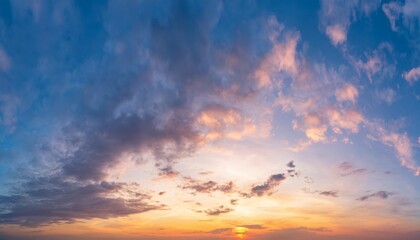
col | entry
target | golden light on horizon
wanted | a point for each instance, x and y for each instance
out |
(240, 232)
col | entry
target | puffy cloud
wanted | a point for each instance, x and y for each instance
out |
(345, 119)
(223, 122)
(337, 34)
(282, 58)
(268, 186)
(413, 75)
(347, 93)
(316, 134)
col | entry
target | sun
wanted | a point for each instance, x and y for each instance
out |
(240, 232)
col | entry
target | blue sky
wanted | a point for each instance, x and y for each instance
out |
(201, 119)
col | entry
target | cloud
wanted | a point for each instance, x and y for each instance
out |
(402, 146)
(336, 17)
(207, 186)
(5, 63)
(329, 193)
(267, 187)
(386, 95)
(413, 75)
(217, 211)
(393, 11)
(291, 164)
(253, 226)
(401, 15)
(347, 93)
(221, 230)
(337, 34)
(232, 230)
(349, 169)
(378, 195)
(222, 122)
(49, 200)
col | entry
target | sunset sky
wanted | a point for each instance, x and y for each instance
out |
(208, 120)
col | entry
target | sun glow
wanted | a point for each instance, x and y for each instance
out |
(240, 232)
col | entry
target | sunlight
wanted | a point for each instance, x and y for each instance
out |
(240, 232)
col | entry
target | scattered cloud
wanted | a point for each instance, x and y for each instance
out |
(386, 95)
(267, 187)
(207, 186)
(413, 75)
(349, 169)
(347, 93)
(337, 33)
(329, 193)
(291, 164)
(393, 11)
(377, 195)
(217, 211)
(221, 230)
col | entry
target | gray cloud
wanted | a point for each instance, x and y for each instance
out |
(207, 186)
(378, 195)
(267, 187)
(50, 200)
(217, 211)
(133, 86)
(329, 193)
(349, 169)
(221, 230)
(291, 165)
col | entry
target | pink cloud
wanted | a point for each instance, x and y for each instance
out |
(413, 75)
(344, 119)
(337, 34)
(347, 93)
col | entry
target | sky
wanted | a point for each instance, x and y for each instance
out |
(177, 120)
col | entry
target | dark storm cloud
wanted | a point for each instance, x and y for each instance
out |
(51, 200)
(217, 211)
(378, 195)
(267, 187)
